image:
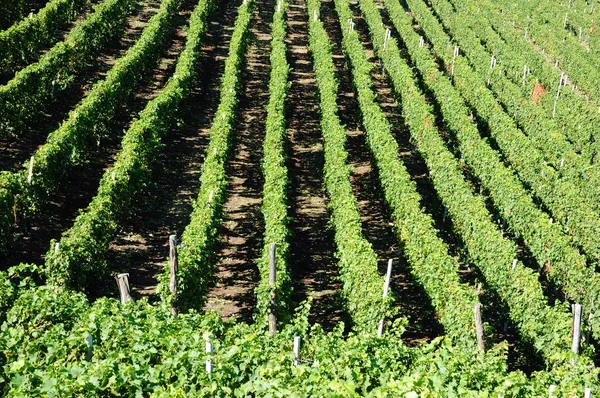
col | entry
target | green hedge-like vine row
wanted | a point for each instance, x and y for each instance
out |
(518, 287)
(139, 349)
(34, 88)
(544, 24)
(12, 11)
(196, 254)
(81, 256)
(21, 43)
(562, 197)
(66, 146)
(274, 205)
(575, 115)
(535, 122)
(362, 284)
(427, 254)
(552, 249)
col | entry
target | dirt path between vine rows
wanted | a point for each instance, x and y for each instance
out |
(242, 229)
(82, 184)
(16, 149)
(312, 262)
(141, 248)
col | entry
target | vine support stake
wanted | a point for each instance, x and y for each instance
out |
(123, 283)
(30, 173)
(386, 287)
(89, 342)
(421, 41)
(173, 268)
(588, 393)
(272, 278)
(479, 327)
(524, 73)
(210, 352)
(589, 329)
(297, 343)
(576, 329)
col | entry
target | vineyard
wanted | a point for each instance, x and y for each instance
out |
(299, 198)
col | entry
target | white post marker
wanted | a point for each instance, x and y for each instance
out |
(421, 41)
(388, 34)
(173, 269)
(297, 343)
(210, 352)
(562, 75)
(514, 264)
(565, 20)
(386, 287)
(588, 393)
(30, 173)
(56, 247)
(454, 58)
(279, 6)
(576, 329)
(89, 341)
(315, 15)
(524, 73)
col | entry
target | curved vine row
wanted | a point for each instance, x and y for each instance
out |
(552, 249)
(20, 196)
(516, 285)
(274, 206)
(34, 88)
(195, 273)
(362, 284)
(82, 250)
(21, 43)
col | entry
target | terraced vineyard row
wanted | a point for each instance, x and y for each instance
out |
(318, 198)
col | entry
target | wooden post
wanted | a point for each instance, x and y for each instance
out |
(576, 329)
(479, 327)
(272, 278)
(297, 342)
(173, 268)
(386, 287)
(210, 352)
(123, 283)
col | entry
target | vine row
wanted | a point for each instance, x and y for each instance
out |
(80, 256)
(34, 88)
(195, 273)
(21, 43)
(362, 284)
